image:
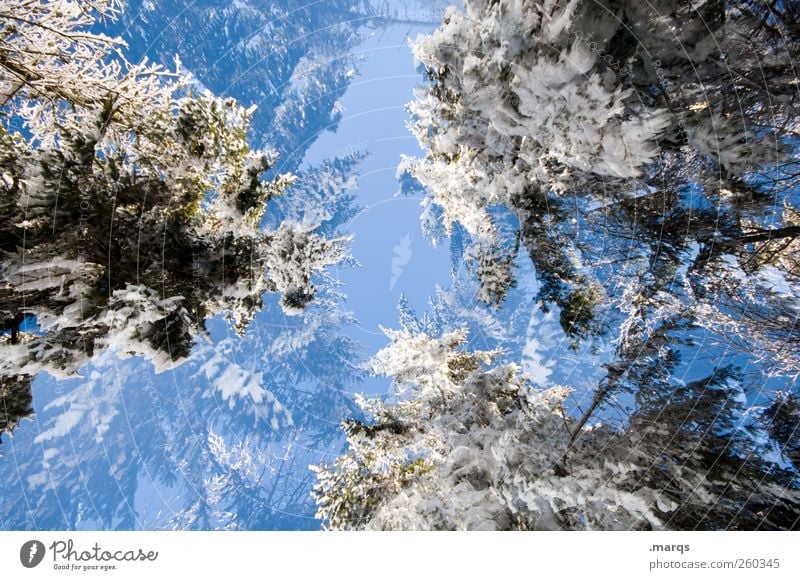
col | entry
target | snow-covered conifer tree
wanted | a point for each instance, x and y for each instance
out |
(596, 120)
(468, 445)
(649, 152)
(131, 204)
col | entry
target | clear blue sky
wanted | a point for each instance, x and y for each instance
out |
(388, 227)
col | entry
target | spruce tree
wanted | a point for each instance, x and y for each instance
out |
(468, 445)
(649, 154)
(131, 203)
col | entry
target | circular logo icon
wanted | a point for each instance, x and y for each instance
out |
(31, 553)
